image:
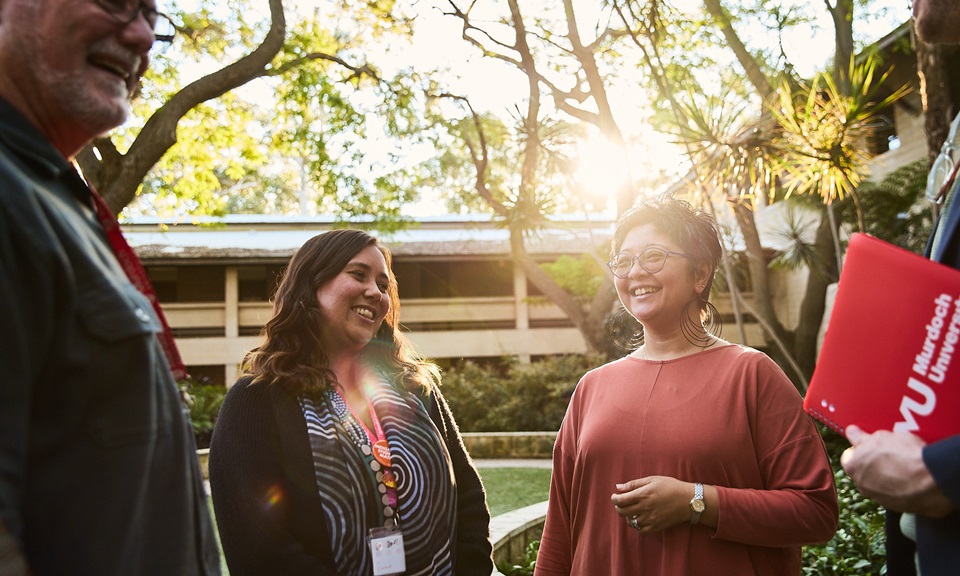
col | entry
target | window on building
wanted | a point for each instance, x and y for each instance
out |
(202, 284)
(482, 278)
(454, 279)
(883, 137)
(164, 281)
(187, 283)
(258, 283)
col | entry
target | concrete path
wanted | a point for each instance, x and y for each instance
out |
(513, 463)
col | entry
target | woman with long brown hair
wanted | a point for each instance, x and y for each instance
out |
(335, 453)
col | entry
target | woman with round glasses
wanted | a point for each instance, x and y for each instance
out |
(690, 456)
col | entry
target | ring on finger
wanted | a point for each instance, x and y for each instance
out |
(632, 521)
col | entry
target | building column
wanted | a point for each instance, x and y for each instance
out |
(231, 308)
(520, 303)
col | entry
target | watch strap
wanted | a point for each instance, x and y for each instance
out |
(697, 504)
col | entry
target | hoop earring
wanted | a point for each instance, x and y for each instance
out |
(705, 333)
(625, 332)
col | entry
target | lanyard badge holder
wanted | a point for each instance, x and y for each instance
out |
(386, 548)
(386, 543)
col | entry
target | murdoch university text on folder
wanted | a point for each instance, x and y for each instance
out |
(889, 353)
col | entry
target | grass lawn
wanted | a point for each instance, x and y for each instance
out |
(512, 488)
(223, 561)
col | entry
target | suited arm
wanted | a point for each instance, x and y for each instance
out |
(943, 460)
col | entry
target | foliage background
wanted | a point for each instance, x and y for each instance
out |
(513, 397)
(859, 546)
(204, 401)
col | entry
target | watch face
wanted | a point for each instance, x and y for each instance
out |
(698, 505)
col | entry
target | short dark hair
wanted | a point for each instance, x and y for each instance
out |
(693, 230)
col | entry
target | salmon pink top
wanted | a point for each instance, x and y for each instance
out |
(725, 416)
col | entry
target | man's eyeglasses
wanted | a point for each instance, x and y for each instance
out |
(944, 171)
(651, 260)
(126, 11)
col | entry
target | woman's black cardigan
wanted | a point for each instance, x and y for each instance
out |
(264, 491)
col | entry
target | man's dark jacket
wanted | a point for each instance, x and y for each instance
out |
(938, 539)
(98, 471)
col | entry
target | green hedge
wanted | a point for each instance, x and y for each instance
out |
(859, 546)
(203, 400)
(513, 396)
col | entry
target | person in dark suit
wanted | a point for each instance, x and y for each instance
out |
(919, 483)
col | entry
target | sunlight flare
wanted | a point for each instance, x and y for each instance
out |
(602, 168)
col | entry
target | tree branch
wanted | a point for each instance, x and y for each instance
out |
(358, 71)
(159, 133)
(750, 65)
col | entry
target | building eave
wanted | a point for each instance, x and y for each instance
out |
(245, 239)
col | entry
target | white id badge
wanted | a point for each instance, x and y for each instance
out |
(386, 547)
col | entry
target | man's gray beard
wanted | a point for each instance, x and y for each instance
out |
(96, 115)
(69, 91)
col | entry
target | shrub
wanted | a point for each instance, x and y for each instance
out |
(859, 546)
(204, 402)
(526, 565)
(513, 396)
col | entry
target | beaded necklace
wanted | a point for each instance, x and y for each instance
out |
(376, 453)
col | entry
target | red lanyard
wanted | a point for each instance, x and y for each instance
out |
(377, 437)
(381, 453)
(138, 277)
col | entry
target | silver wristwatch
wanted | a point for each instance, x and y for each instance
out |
(697, 504)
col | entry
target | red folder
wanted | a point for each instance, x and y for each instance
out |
(891, 353)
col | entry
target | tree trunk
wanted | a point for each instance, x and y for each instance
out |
(756, 262)
(746, 59)
(813, 305)
(598, 92)
(937, 97)
(760, 278)
(842, 14)
(590, 327)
